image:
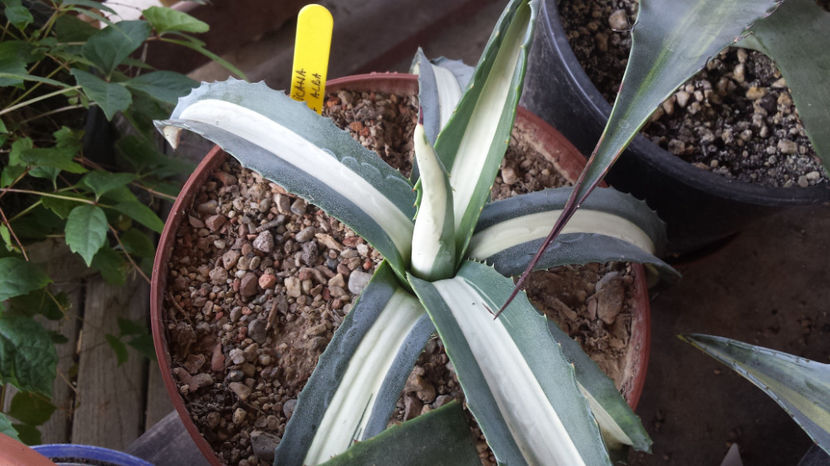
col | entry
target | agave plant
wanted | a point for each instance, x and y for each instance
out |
(800, 386)
(447, 268)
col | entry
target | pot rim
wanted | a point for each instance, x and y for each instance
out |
(653, 155)
(566, 157)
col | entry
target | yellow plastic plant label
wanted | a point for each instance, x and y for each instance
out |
(311, 56)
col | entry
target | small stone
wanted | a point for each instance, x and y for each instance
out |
(618, 20)
(328, 241)
(739, 72)
(682, 98)
(610, 294)
(250, 351)
(229, 258)
(412, 407)
(194, 362)
(218, 276)
(780, 83)
(225, 178)
(235, 314)
(298, 207)
(235, 375)
(263, 445)
(755, 93)
(358, 281)
(208, 207)
(803, 182)
(337, 292)
(248, 285)
(441, 400)
(288, 407)
(310, 253)
(215, 222)
(305, 234)
(508, 175)
(213, 418)
(813, 175)
(293, 287)
(267, 281)
(200, 380)
(283, 203)
(239, 416)
(787, 147)
(337, 280)
(240, 389)
(237, 356)
(264, 242)
(195, 222)
(217, 359)
(257, 330)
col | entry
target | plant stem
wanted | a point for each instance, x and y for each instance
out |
(14, 235)
(17, 180)
(35, 86)
(38, 99)
(26, 210)
(154, 192)
(129, 258)
(52, 112)
(56, 196)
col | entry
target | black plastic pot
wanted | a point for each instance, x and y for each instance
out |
(700, 207)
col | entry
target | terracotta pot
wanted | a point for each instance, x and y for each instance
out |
(546, 140)
(15, 453)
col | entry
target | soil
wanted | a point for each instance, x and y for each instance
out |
(260, 280)
(735, 117)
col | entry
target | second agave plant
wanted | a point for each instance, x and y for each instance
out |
(448, 257)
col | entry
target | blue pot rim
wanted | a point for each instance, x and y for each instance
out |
(90, 452)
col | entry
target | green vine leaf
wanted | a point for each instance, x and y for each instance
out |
(6, 427)
(101, 182)
(28, 434)
(165, 86)
(168, 20)
(118, 347)
(28, 359)
(31, 408)
(112, 266)
(141, 214)
(86, 231)
(113, 44)
(138, 243)
(18, 277)
(111, 97)
(17, 14)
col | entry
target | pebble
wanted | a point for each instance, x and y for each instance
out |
(218, 275)
(283, 203)
(328, 241)
(215, 222)
(412, 407)
(610, 294)
(292, 287)
(237, 356)
(264, 242)
(257, 330)
(200, 380)
(217, 359)
(288, 407)
(229, 258)
(250, 352)
(787, 147)
(305, 234)
(508, 175)
(755, 93)
(618, 20)
(263, 445)
(248, 285)
(267, 281)
(208, 207)
(682, 98)
(195, 222)
(194, 363)
(240, 389)
(337, 280)
(298, 207)
(358, 281)
(239, 416)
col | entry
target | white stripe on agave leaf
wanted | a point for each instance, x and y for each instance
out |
(517, 382)
(306, 156)
(449, 93)
(612, 433)
(362, 379)
(531, 227)
(433, 241)
(485, 119)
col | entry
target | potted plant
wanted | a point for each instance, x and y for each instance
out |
(433, 272)
(699, 206)
(63, 81)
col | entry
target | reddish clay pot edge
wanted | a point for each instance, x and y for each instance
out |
(550, 142)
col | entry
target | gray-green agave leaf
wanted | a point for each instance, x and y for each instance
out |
(800, 386)
(291, 145)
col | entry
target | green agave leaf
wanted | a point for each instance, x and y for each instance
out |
(433, 239)
(440, 438)
(307, 154)
(517, 382)
(800, 386)
(359, 377)
(611, 226)
(472, 145)
(441, 83)
(791, 37)
(28, 359)
(617, 422)
(670, 42)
